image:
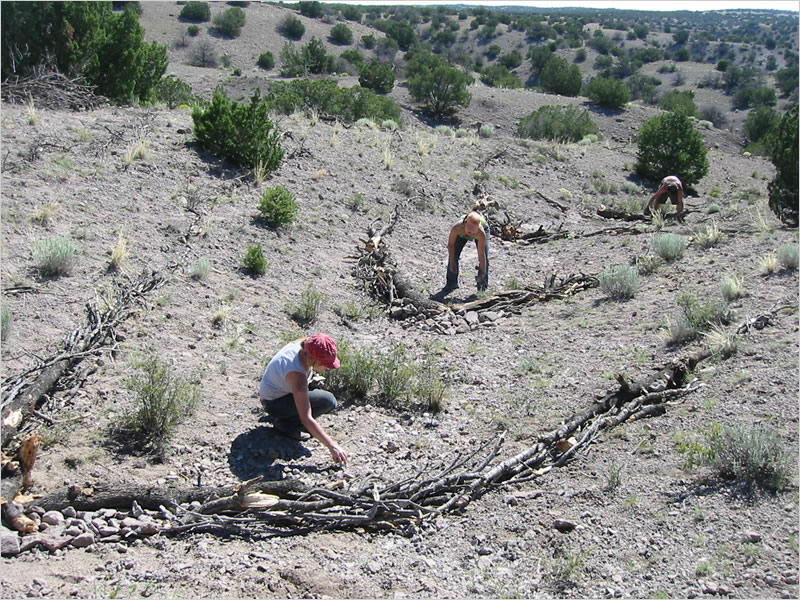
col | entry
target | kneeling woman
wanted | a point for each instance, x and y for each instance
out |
(285, 395)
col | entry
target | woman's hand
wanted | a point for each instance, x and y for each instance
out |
(338, 455)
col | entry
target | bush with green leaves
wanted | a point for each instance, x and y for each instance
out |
(55, 256)
(83, 38)
(441, 90)
(669, 246)
(619, 282)
(241, 133)
(311, 58)
(760, 122)
(670, 145)
(326, 98)
(560, 77)
(173, 91)
(162, 401)
(783, 189)
(368, 41)
(310, 8)
(500, 77)
(195, 11)
(679, 102)
(254, 260)
(278, 206)
(788, 256)
(745, 453)
(376, 76)
(193, 30)
(6, 319)
(266, 60)
(307, 311)
(291, 27)
(230, 22)
(354, 379)
(608, 91)
(565, 123)
(341, 34)
(747, 97)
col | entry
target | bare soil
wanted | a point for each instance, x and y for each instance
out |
(656, 530)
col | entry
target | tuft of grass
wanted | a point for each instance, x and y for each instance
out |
(6, 320)
(762, 223)
(44, 215)
(221, 317)
(308, 309)
(694, 318)
(137, 150)
(613, 477)
(119, 253)
(710, 236)
(365, 122)
(200, 269)
(162, 400)
(461, 132)
(619, 282)
(788, 256)
(486, 131)
(669, 246)
(731, 287)
(394, 375)
(713, 208)
(387, 156)
(55, 256)
(355, 202)
(254, 260)
(445, 130)
(389, 124)
(721, 342)
(33, 114)
(768, 264)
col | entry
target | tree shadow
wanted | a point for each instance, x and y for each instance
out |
(260, 452)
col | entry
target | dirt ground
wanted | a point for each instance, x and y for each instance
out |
(645, 525)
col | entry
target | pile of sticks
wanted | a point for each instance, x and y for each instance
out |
(51, 90)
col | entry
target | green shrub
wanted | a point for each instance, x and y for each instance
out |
(6, 319)
(499, 76)
(679, 102)
(747, 97)
(648, 264)
(193, 30)
(354, 379)
(254, 260)
(173, 91)
(310, 8)
(162, 401)
(354, 57)
(783, 189)
(368, 41)
(619, 281)
(341, 34)
(377, 76)
(746, 453)
(441, 90)
(277, 206)
(291, 27)
(230, 22)
(307, 311)
(788, 256)
(241, 133)
(560, 77)
(312, 58)
(660, 155)
(195, 11)
(55, 256)
(327, 98)
(759, 123)
(609, 92)
(394, 376)
(669, 246)
(266, 60)
(486, 131)
(558, 123)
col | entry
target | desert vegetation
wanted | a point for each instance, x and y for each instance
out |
(612, 417)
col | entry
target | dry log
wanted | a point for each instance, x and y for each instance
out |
(151, 496)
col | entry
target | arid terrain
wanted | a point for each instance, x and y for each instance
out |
(640, 523)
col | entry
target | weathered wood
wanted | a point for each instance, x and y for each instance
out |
(152, 496)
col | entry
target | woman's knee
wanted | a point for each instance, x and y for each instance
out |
(322, 401)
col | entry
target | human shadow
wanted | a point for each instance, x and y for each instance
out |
(263, 451)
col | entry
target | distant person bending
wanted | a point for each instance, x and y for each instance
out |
(671, 187)
(473, 226)
(285, 395)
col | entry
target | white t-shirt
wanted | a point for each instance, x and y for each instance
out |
(273, 382)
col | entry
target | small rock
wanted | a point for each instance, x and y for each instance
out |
(69, 512)
(9, 542)
(373, 567)
(472, 317)
(751, 537)
(84, 540)
(53, 517)
(563, 525)
(136, 510)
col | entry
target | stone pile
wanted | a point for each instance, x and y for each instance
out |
(55, 529)
(444, 322)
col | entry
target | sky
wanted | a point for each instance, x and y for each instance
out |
(621, 4)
